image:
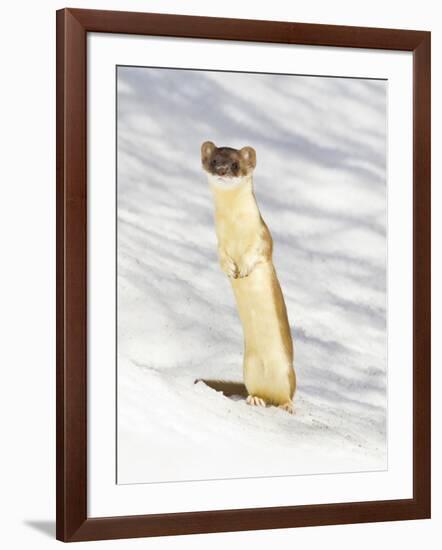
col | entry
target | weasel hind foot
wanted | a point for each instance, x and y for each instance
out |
(288, 406)
(254, 400)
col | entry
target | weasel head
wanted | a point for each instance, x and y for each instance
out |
(227, 168)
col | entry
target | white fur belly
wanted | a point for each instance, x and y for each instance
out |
(268, 370)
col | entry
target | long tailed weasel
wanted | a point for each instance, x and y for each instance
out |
(245, 254)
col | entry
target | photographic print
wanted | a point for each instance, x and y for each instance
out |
(243, 274)
(251, 275)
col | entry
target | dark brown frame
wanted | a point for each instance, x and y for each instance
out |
(72, 28)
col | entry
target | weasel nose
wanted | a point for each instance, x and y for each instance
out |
(222, 170)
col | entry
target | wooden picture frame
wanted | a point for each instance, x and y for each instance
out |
(73, 523)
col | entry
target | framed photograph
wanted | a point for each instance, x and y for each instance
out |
(243, 274)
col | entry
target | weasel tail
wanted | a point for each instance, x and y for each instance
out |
(245, 255)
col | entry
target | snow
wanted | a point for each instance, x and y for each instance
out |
(320, 183)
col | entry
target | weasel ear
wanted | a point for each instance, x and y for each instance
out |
(248, 155)
(207, 149)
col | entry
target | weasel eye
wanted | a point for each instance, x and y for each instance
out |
(235, 166)
(213, 162)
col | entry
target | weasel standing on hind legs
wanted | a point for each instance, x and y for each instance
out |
(245, 255)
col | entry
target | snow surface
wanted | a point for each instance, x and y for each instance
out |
(321, 187)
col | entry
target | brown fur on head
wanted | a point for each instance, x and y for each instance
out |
(227, 162)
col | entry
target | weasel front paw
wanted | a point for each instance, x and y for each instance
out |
(288, 406)
(244, 271)
(254, 400)
(247, 265)
(229, 267)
